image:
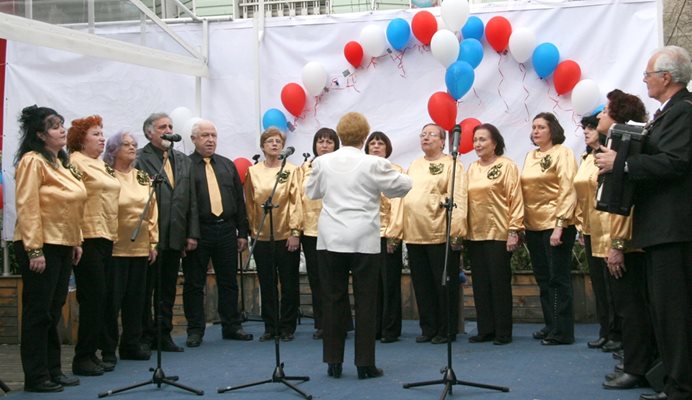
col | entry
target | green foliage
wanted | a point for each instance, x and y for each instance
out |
(521, 261)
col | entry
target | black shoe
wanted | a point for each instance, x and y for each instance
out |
(44, 387)
(499, 341)
(86, 367)
(287, 337)
(335, 370)
(110, 358)
(553, 342)
(619, 367)
(619, 355)
(266, 336)
(239, 334)
(540, 335)
(193, 340)
(318, 334)
(64, 380)
(611, 346)
(370, 371)
(612, 375)
(486, 337)
(140, 353)
(597, 344)
(107, 366)
(654, 396)
(423, 339)
(438, 339)
(624, 381)
(387, 339)
(167, 344)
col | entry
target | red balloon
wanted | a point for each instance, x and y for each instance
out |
(497, 31)
(424, 26)
(242, 165)
(466, 141)
(443, 110)
(353, 52)
(293, 98)
(566, 76)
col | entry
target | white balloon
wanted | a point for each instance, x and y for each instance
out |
(445, 47)
(522, 42)
(314, 78)
(586, 96)
(179, 117)
(373, 40)
(187, 145)
(455, 13)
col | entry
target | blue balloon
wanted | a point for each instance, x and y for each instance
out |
(398, 33)
(471, 51)
(275, 118)
(473, 28)
(459, 79)
(545, 58)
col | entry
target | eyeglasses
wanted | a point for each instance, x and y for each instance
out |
(646, 74)
(429, 134)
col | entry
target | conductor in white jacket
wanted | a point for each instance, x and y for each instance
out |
(350, 183)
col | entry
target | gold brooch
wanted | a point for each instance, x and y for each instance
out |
(495, 171)
(75, 172)
(143, 178)
(436, 169)
(546, 162)
(110, 170)
(283, 176)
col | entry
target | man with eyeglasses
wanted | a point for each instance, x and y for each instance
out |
(662, 221)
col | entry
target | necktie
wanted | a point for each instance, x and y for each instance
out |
(657, 113)
(168, 169)
(213, 187)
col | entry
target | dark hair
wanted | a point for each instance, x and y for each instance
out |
(32, 121)
(591, 121)
(377, 135)
(495, 136)
(623, 107)
(557, 133)
(328, 133)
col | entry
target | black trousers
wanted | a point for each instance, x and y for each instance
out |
(126, 284)
(334, 281)
(309, 245)
(492, 286)
(552, 269)
(389, 299)
(218, 243)
(170, 265)
(669, 283)
(610, 323)
(629, 295)
(287, 263)
(91, 294)
(426, 262)
(42, 300)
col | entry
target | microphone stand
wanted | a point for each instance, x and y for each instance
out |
(158, 377)
(278, 376)
(449, 378)
(4, 387)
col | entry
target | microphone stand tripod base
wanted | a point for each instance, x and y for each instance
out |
(278, 376)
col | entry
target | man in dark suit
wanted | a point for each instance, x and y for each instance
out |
(178, 224)
(662, 221)
(223, 233)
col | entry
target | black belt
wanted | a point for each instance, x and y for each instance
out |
(216, 221)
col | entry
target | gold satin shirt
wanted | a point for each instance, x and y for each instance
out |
(621, 230)
(590, 221)
(392, 214)
(311, 208)
(288, 217)
(101, 208)
(546, 184)
(49, 203)
(496, 205)
(134, 193)
(424, 219)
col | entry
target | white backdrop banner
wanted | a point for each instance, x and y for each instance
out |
(251, 62)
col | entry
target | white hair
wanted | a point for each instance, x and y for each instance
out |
(676, 60)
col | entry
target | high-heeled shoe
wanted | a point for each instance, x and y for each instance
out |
(335, 370)
(370, 371)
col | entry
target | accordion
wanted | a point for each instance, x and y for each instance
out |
(615, 192)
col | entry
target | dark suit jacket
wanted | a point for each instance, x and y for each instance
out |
(663, 176)
(178, 219)
(231, 189)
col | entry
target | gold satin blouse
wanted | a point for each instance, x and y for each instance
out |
(101, 208)
(288, 217)
(134, 193)
(621, 232)
(424, 219)
(311, 208)
(392, 214)
(590, 221)
(495, 205)
(546, 184)
(49, 203)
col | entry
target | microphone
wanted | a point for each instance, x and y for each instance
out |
(171, 137)
(285, 153)
(256, 158)
(456, 134)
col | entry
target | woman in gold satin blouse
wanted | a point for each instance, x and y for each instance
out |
(288, 219)
(50, 200)
(549, 202)
(85, 141)
(495, 218)
(391, 233)
(126, 272)
(425, 234)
